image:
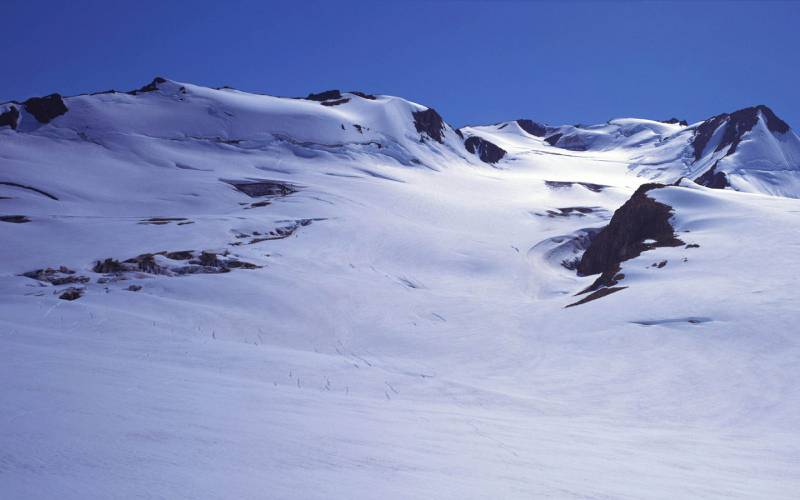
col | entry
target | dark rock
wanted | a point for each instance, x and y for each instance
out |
(325, 96)
(255, 189)
(736, 125)
(532, 127)
(569, 211)
(239, 264)
(57, 277)
(640, 218)
(10, 118)
(692, 245)
(487, 151)
(774, 124)
(566, 184)
(145, 263)
(134, 288)
(45, 109)
(14, 219)
(66, 280)
(459, 133)
(159, 221)
(363, 95)
(713, 179)
(336, 102)
(71, 294)
(150, 87)
(108, 266)
(179, 255)
(209, 259)
(429, 122)
(675, 121)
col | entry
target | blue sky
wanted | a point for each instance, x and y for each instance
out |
(474, 61)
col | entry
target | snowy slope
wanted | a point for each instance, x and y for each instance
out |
(404, 334)
(749, 150)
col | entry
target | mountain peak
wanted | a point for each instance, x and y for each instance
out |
(735, 125)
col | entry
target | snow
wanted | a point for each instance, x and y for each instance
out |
(410, 342)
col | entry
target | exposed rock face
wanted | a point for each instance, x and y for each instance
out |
(10, 118)
(736, 125)
(487, 151)
(325, 96)
(429, 122)
(255, 189)
(640, 218)
(56, 277)
(567, 184)
(363, 95)
(675, 121)
(532, 127)
(45, 109)
(713, 179)
(71, 293)
(108, 266)
(209, 259)
(150, 87)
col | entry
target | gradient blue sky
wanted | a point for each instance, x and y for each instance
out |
(474, 61)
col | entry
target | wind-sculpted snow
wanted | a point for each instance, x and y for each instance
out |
(218, 294)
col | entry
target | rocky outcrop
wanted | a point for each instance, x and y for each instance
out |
(150, 87)
(256, 189)
(736, 125)
(713, 179)
(56, 277)
(487, 151)
(71, 293)
(328, 95)
(363, 95)
(108, 266)
(640, 219)
(429, 122)
(596, 188)
(10, 118)
(532, 127)
(675, 121)
(47, 108)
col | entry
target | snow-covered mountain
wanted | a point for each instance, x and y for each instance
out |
(206, 293)
(748, 150)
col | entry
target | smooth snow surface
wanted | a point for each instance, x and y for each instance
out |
(408, 340)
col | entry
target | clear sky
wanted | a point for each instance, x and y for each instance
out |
(474, 61)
